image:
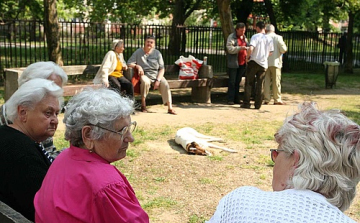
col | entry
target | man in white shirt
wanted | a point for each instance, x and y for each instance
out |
(261, 46)
(273, 73)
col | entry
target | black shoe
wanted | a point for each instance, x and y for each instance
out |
(244, 106)
(230, 103)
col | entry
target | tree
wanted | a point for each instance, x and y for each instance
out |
(242, 9)
(22, 9)
(225, 18)
(353, 8)
(270, 10)
(51, 27)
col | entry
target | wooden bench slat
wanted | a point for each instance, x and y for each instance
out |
(201, 88)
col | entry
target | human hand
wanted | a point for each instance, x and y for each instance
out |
(125, 67)
(156, 84)
(140, 70)
(105, 83)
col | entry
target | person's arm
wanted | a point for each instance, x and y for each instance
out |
(133, 64)
(117, 203)
(231, 49)
(282, 45)
(27, 175)
(249, 52)
(160, 74)
(271, 46)
(106, 67)
(161, 71)
(124, 66)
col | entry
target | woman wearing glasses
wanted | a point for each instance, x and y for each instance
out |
(317, 168)
(82, 185)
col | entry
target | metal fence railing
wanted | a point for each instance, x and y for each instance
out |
(22, 42)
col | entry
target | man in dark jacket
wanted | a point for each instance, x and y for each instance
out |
(236, 46)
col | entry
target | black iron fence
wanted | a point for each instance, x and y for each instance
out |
(22, 42)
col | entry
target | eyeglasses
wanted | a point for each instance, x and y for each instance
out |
(274, 153)
(130, 128)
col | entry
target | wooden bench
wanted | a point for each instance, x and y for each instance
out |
(200, 88)
(9, 215)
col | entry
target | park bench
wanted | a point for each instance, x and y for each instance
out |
(200, 88)
(9, 215)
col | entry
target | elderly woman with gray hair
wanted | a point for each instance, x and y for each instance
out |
(33, 111)
(110, 73)
(317, 168)
(81, 185)
(44, 70)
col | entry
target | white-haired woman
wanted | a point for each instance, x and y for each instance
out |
(45, 70)
(317, 168)
(33, 111)
(81, 185)
(110, 73)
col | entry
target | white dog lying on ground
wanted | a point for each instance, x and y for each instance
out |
(196, 143)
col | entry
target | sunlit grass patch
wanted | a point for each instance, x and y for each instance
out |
(59, 140)
(159, 202)
(205, 181)
(196, 219)
(215, 158)
(159, 179)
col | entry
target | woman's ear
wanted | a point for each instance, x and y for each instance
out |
(86, 136)
(296, 158)
(22, 113)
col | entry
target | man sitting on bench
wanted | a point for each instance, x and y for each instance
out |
(149, 64)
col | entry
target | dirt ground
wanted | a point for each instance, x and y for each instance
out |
(197, 183)
(176, 187)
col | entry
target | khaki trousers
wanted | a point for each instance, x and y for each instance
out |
(145, 84)
(273, 79)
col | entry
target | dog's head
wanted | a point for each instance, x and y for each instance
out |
(194, 148)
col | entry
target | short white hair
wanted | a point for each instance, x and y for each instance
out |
(116, 42)
(329, 153)
(42, 69)
(270, 28)
(92, 107)
(31, 93)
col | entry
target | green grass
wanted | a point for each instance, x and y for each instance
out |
(196, 219)
(159, 202)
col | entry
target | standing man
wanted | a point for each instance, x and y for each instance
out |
(236, 46)
(261, 46)
(273, 73)
(150, 66)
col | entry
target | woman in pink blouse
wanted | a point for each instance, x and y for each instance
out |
(81, 184)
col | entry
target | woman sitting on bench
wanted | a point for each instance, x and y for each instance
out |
(110, 73)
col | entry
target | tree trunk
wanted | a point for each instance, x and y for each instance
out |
(225, 18)
(349, 55)
(243, 9)
(51, 26)
(175, 33)
(270, 11)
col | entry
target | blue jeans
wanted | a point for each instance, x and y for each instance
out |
(235, 75)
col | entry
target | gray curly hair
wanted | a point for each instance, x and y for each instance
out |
(94, 106)
(329, 153)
